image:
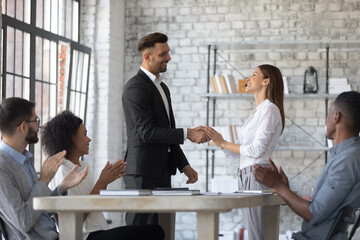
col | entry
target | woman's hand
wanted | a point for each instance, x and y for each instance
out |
(215, 136)
(111, 172)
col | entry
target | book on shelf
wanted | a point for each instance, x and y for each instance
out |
(242, 85)
(230, 83)
(338, 85)
(218, 84)
(223, 85)
(214, 84)
(126, 192)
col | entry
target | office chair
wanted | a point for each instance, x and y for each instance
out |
(356, 224)
(346, 217)
(3, 233)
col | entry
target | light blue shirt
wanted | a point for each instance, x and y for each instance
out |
(338, 186)
(25, 161)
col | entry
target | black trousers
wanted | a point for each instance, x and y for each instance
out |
(142, 182)
(129, 233)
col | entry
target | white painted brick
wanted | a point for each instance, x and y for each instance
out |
(210, 10)
(185, 11)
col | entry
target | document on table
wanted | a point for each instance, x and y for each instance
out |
(175, 192)
(240, 192)
(126, 192)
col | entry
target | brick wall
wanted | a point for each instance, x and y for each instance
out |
(102, 29)
(191, 23)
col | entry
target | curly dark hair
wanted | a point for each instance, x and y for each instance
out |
(57, 134)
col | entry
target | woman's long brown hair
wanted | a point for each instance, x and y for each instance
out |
(275, 90)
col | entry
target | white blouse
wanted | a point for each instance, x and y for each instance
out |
(95, 220)
(259, 135)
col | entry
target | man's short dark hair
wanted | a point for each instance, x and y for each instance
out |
(13, 111)
(349, 102)
(151, 39)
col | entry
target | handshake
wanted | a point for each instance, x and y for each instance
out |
(199, 134)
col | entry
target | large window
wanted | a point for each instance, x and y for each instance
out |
(42, 59)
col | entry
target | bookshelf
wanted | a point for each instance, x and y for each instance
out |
(258, 46)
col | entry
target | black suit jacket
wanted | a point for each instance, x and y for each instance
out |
(149, 135)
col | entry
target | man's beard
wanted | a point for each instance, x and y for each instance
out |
(32, 136)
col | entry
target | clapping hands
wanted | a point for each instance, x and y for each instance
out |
(112, 171)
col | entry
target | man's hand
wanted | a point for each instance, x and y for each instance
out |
(270, 176)
(72, 179)
(197, 135)
(191, 174)
(50, 167)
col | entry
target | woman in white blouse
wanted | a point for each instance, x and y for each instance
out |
(67, 132)
(258, 136)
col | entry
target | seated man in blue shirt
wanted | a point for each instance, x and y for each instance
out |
(339, 182)
(19, 183)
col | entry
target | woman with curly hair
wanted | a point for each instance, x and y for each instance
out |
(67, 132)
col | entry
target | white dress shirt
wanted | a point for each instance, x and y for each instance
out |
(157, 82)
(95, 221)
(259, 135)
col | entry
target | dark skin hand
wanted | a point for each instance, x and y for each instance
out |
(279, 184)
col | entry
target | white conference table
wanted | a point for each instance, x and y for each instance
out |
(70, 209)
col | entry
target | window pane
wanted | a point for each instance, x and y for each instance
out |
(74, 69)
(38, 98)
(39, 13)
(10, 48)
(53, 62)
(38, 58)
(3, 6)
(82, 106)
(54, 16)
(20, 10)
(75, 21)
(68, 19)
(72, 102)
(47, 17)
(45, 102)
(26, 88)
(38, 153)
(62, 15)
(53, 97)
(27, 11)
(18, 52)
(85, 72)
(79, 71)
(10, 8)
(46, 60)
(9, 86)
(18, 87)
(26, 53)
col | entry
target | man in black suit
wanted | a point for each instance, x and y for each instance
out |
(153, 153)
